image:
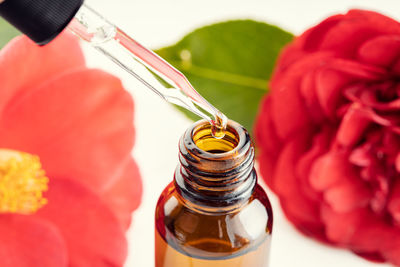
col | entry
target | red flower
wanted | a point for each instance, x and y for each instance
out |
(78, 121)
(329, 133)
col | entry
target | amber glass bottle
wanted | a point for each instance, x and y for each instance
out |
(214, 214)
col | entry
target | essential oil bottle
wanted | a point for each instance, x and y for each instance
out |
(213, 214)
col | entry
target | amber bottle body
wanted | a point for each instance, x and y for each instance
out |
(213, 214)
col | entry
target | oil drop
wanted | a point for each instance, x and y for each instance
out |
(218, 125)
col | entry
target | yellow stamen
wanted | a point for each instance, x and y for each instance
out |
(22, 182)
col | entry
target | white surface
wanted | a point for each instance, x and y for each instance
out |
(156, 23)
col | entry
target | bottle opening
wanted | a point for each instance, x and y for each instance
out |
(215, 172)
(204, 139)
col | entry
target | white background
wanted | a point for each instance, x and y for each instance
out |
(156, 23)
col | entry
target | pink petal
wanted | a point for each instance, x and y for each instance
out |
(27, 241)
(123, 195)
(93, 235)
(81, 126)
(24, 64)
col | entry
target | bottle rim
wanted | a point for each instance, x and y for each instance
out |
(216, 180)
(235, 135)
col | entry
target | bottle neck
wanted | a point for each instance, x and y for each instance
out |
(215, 174)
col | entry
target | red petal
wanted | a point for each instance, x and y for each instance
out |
(285, 177)
(396, 67)
(309, 94)
(355, 28)
(267, 141)
(289, 112)
(332, 79)
(313, 37)
(123, 196)
(353, 126)
(355, 121)
(306, 43)
(267, 168)
(305, 216)
(329, 170)
(366, 95)
(391, 249)
(359, 230)
(393, 205)
(24, 64)
(92, 234)
(329, 86)
(356, 69)
(340, 226)
(360, 156)
(397, 163)
(319, 146)
(27, 241)
(348, 195)
(299, 208)
(373, 234)
(265, 131)
(338, 179)
(380, 51)
(81, 126)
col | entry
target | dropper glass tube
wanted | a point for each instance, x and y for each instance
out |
(130, 55)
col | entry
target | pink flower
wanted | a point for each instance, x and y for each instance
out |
(79, 122)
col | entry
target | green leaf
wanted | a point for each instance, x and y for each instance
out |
(7, 32)
(230, 64)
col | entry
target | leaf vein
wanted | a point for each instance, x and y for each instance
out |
(222, 76)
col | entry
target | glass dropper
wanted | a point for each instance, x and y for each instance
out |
(43, 20)
(131, 56)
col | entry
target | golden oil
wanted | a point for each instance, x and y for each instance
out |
(214, 214)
